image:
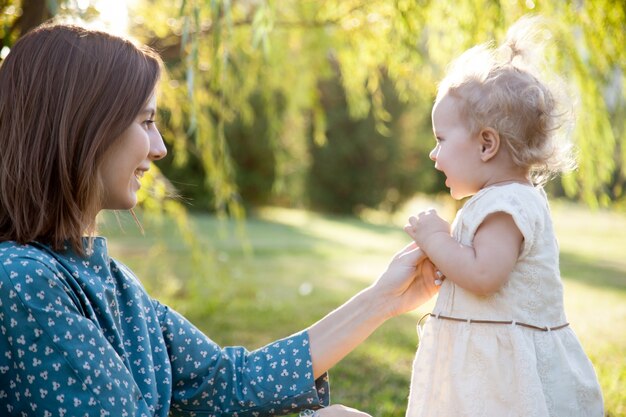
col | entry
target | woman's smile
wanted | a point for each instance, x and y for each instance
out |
(128, 159)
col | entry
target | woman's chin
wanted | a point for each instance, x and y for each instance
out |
(132, 203)
(123, 204)
(129, 202)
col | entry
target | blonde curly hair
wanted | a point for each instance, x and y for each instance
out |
(501, 88)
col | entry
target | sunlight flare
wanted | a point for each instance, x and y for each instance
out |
(113, 15)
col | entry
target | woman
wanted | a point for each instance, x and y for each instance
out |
(79, 334)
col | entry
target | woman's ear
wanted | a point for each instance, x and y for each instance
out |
(489, 143)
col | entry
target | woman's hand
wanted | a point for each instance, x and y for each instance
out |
(338, 410)
(428, 270)
(408, 282)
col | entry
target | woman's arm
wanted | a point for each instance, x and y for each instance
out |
(407, 283)
(281, 377)
(481, 268)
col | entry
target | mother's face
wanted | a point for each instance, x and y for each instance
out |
(129, 158)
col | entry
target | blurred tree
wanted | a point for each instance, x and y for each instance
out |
(360, 167)
(245, 90)
(225, 55)
(18, 17)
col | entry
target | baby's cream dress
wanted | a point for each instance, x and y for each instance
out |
(463, 368)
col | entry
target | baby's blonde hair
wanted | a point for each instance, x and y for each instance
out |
(500, 88)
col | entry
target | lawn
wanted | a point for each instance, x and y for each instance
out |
(294, 266)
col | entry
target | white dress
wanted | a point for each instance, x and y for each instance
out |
(505, 370)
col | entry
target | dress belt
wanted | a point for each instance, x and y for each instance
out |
(513, 322)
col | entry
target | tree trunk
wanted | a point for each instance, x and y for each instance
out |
(34, 12)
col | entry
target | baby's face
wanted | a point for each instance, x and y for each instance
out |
(457, 151)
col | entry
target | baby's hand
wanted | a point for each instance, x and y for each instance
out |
(426, 224)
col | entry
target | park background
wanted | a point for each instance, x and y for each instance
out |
(298, 135)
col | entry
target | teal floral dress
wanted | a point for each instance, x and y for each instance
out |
(79, 336)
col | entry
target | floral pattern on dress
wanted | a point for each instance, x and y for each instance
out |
(79, 336)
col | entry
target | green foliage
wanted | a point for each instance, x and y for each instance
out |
(253, 161)
(358, 167)
(234, 51)
(225, 54)
(17, 17)
(252, 150)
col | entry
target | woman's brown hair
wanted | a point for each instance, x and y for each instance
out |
(66, 94)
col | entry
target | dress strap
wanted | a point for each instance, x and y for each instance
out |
(513, 322)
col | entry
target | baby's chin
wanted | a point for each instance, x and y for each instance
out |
(458, 195)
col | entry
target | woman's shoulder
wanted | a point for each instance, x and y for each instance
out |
(27, 267)
(17, 259)
(11, 251)
(32, 258)
(36, 268)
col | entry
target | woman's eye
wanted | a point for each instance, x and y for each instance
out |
(148, 122)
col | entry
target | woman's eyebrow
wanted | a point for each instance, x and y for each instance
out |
(148, 110)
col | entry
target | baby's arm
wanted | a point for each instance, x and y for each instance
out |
(482, 268)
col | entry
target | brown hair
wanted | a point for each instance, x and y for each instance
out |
(66, 94)
(501, 88)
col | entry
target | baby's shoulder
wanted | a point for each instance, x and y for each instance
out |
(512, 198)
(527, 206)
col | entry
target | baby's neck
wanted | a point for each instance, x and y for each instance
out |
(521, 180)
(501, 170)
(524, 181)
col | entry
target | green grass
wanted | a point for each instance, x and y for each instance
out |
(302, 265)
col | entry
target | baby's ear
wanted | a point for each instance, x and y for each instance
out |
(489, 143)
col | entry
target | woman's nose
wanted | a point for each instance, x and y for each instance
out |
(157, 147)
